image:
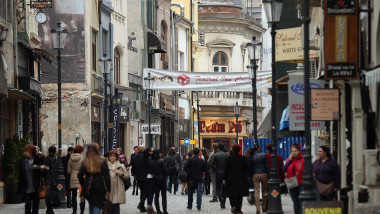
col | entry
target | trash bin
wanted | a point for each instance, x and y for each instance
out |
(1, 192)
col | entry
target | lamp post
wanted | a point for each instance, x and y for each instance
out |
(272, 10)
(59, 36)
(307, 194)
(105, 66)
(252, 74)
(237, 112)
(198, 117)
(149, 85)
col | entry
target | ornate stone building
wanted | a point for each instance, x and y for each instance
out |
(224, 29)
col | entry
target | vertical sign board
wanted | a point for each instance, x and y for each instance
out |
(296, 105)
(113, 131)
(341, 39)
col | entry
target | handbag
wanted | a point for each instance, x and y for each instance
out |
(107, 206)
(284, 189)
(177, 166)
(86, 187)
(325, 189)
(292, 182)
(127, 183)
(42, 189)
(182, 175)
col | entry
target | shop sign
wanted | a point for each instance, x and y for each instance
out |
(322, 207)
(296, 108)
(341, 39)
(219, 127)
(181, 112)
(206, 81)
(41, 4)
(324, 104)
(154, 129)
(114, 128)
(124, 114)
(289, 45)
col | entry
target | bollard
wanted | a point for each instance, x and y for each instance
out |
(344, 197)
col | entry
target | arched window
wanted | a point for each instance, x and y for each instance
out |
(164, 37)
(220, 62)
(116, 64)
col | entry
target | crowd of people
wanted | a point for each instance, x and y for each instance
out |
(94, 177)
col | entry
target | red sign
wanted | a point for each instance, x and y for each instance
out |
(219, 127)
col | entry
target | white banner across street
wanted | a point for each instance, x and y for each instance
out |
(207, 81)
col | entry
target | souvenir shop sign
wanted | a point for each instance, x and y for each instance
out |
(323, 207)
(206, 81)
(296, 108)
(324, 104)
(341, 39)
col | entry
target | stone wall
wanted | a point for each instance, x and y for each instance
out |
(75, 118)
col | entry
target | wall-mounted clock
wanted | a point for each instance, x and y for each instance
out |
(41, 17)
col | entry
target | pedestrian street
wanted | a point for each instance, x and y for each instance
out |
(176, 204)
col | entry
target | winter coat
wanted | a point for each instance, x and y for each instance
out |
(171, 160)
(73, 167)
(327, 172)
(280, 164)
(52, 171)
(194, 167)
(158, 167)
(37, 174)
(218, 163)
(236, 174)
(293, 166)
(258, 164)
(99, 185)
(117, 195)
(139, 165)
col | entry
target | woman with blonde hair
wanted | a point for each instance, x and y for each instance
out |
(95, 169)
(73, 166)
(118, 173)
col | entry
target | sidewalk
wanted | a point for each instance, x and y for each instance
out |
(176, 204)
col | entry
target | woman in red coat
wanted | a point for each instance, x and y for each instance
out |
(294, 167)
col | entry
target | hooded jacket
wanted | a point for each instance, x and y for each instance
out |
(73, 167)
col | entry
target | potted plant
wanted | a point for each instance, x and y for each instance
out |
(13, 153)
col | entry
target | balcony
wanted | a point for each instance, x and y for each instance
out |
(97, 86)
(30, 85)
(225, 98)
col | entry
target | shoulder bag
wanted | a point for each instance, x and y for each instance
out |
(292, 182)
(42, 190)
(323, 189)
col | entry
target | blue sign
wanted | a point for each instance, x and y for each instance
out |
(300, 89)
(186, 141)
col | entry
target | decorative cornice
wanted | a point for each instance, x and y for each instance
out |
(118, 17)
(232, 28)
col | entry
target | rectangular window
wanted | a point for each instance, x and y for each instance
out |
(218, 68)
(117, 69)
(94, 58)
(104, 42)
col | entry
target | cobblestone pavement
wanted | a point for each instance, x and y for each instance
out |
(176, 204)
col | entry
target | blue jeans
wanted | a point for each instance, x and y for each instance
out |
(94, 210)
(115, 208)
(199, 196)
(294, 194)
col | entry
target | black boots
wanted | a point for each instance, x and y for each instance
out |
(81, 206)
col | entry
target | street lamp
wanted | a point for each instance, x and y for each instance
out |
(105, 66)
(307, 193)
(272, 10)
(199, 130)
(237, 112)
(59, 36)
(252, 74)
(149, 86)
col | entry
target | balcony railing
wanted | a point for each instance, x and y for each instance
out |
(97, 84)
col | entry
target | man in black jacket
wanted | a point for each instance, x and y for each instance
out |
(32, 168)
(51, 175)
(218, 164)
(70, 151)
(194, 167)
(141, 172)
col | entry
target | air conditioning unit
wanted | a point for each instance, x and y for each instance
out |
(136, 105)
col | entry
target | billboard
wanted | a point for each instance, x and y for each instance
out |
(71, 15)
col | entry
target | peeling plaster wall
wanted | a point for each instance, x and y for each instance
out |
(75, 118)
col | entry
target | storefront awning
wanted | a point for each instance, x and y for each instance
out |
(156, 43)
(265, 126)
(17, 94)
(372, 77)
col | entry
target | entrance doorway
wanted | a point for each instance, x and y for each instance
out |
(228, 142)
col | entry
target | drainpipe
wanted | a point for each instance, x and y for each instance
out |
(15, 46)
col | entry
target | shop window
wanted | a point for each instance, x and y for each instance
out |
(220, 62)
